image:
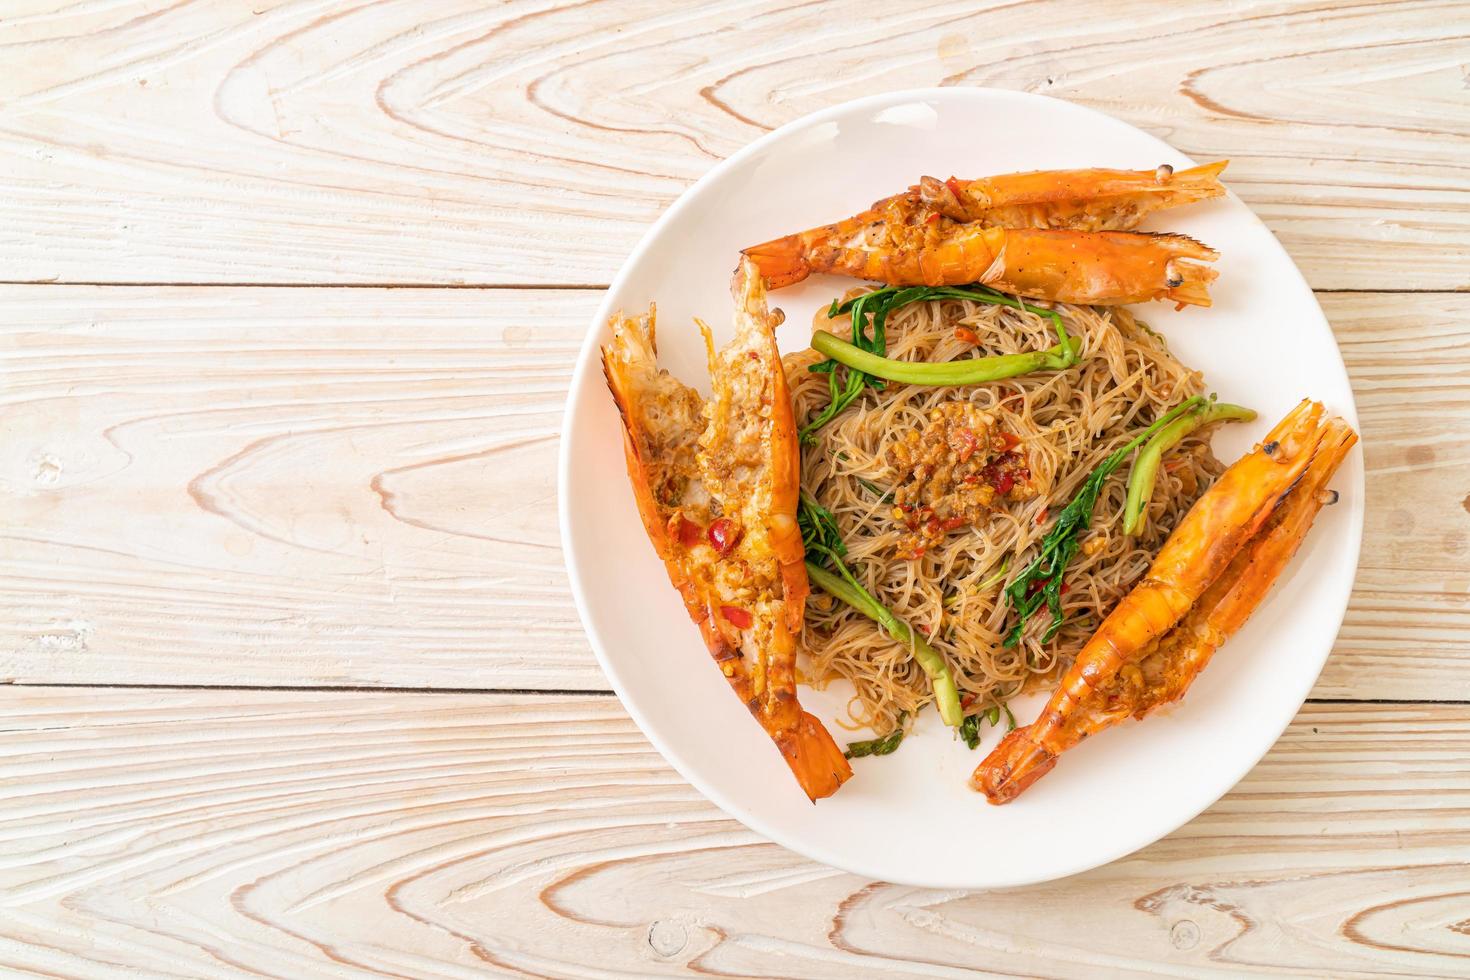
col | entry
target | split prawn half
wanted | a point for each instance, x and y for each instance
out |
(1059, 235)
(1206, 581)
(1082, 200)
(717, 484)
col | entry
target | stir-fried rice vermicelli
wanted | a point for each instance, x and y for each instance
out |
(1065, 424)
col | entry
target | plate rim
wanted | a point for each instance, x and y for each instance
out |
(586, 358)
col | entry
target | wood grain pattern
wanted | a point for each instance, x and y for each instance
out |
(306, 834)
(245, 484)
(231, 486)
(1404, 636)
(237, 486)
(532, 142)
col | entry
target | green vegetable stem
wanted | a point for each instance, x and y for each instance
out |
(1145, 469)
(823, 544)
(967, 371)
(1041, 581)
(869, 319)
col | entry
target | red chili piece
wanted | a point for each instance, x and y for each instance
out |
(968, 444)
(967, 335)
(724, 536)
(737, 617)
(690, 533)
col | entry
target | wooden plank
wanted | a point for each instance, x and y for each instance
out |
(357, 487)
(533, 142)
(224, 834)
(286, 486)
(1405, 632)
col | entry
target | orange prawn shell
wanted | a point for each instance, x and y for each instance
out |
(1061, 236)
(766, 685)
(1103, 268)
(640, 479)
(1090, 199)
(1202, 556)
(1218, 525)
(785, 534)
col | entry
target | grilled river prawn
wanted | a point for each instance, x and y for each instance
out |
(716, 485)
(1063, 236)
(1083, 200)
(1207, 579)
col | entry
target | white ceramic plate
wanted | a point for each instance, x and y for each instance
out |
(909, 817)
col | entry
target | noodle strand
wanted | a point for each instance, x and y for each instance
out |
(1065, 424)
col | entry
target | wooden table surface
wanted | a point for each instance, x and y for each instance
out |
(291, 295)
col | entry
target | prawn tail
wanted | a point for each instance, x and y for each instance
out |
(1200, 182)
(1011, 766)
(814, 758)
(781, 261)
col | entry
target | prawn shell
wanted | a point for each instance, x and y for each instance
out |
(1196, 573)
(1060, 236)
(1092, 199)
(766, 687)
